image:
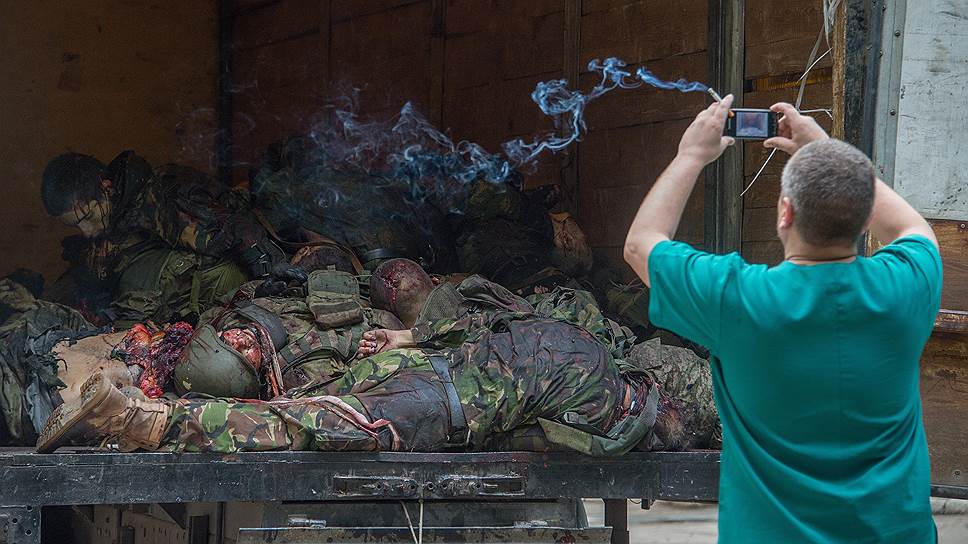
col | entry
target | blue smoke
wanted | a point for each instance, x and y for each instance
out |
(409, 148)
(434, 155)
(567, 107)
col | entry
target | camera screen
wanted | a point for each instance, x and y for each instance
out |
(752, 124)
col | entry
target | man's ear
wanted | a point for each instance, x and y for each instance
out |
(107, 185)
(867, 224)
(785, 213)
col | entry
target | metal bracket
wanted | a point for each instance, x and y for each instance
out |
(480, 486)
(375, 486)
(21, 524)
(447, 486)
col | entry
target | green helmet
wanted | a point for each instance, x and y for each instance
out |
(210, 366)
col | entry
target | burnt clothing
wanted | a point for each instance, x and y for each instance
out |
(28, 369)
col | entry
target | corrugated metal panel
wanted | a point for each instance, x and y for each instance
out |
(931, 169)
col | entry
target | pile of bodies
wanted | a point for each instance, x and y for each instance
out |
(325, 309)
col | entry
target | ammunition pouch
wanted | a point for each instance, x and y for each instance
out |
(317, 354)
(334, 299)
(573, 431)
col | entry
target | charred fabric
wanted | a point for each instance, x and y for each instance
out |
(428, 304)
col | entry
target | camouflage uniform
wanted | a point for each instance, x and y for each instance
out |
(536, 368)
(526, 378)
(173, 233)
(505, 235)
(28, 369)
(178, 207)
(167, 285)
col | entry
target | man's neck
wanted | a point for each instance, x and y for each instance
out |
(800, 252)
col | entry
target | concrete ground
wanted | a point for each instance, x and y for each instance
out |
(695, 523)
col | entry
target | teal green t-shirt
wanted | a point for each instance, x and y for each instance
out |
(815, 375)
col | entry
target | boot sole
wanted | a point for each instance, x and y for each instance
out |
(65, 418)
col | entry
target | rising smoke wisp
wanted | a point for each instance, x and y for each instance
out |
(408, 147)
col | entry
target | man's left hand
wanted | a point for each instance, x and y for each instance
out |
(703, 142)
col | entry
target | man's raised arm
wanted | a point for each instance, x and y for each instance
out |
(660, 213)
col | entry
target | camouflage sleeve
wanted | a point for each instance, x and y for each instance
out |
(449, 333)
(195, 221)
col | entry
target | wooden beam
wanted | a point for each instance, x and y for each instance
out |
(325, 46)
(438, 59)
(724, 178)
(861, 65)
(839, 47)
(571, 68)
(951, 321)
(223, 97)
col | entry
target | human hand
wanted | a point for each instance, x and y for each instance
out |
(380, 340)
(794, 130)
(703, 140)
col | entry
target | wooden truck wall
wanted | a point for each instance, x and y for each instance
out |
(470, 66)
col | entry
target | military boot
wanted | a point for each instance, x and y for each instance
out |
(103, 412)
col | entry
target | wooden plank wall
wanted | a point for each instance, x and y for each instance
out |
(779, 39)
(470, 66)
(96, 77)
(634, 134)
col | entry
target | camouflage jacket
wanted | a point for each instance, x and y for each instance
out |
(165, 285)
(179, 207)
(452, 314)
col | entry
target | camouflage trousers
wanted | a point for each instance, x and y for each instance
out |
(316, 423)
(363, 410)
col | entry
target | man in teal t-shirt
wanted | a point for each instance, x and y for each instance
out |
(815, 361)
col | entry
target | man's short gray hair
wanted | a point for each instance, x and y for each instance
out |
(831, 186)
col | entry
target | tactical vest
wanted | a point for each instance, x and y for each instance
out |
(316, 336)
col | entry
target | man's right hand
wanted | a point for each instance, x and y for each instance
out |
(794, 130)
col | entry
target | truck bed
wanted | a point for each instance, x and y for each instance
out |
(85, 476)
(88, 476)
(73, 476)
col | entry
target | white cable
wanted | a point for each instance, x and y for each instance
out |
(420, 538)
(805, 74)
(409, 522)
(766, 162)
(829, 16)
(829, 113)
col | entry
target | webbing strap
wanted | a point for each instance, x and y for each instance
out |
(380, 253)
(270, 321)
(458, 423)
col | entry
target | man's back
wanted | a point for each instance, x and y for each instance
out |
(816, 381)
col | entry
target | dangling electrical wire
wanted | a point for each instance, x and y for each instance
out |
(829, 17)
(409, 523)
